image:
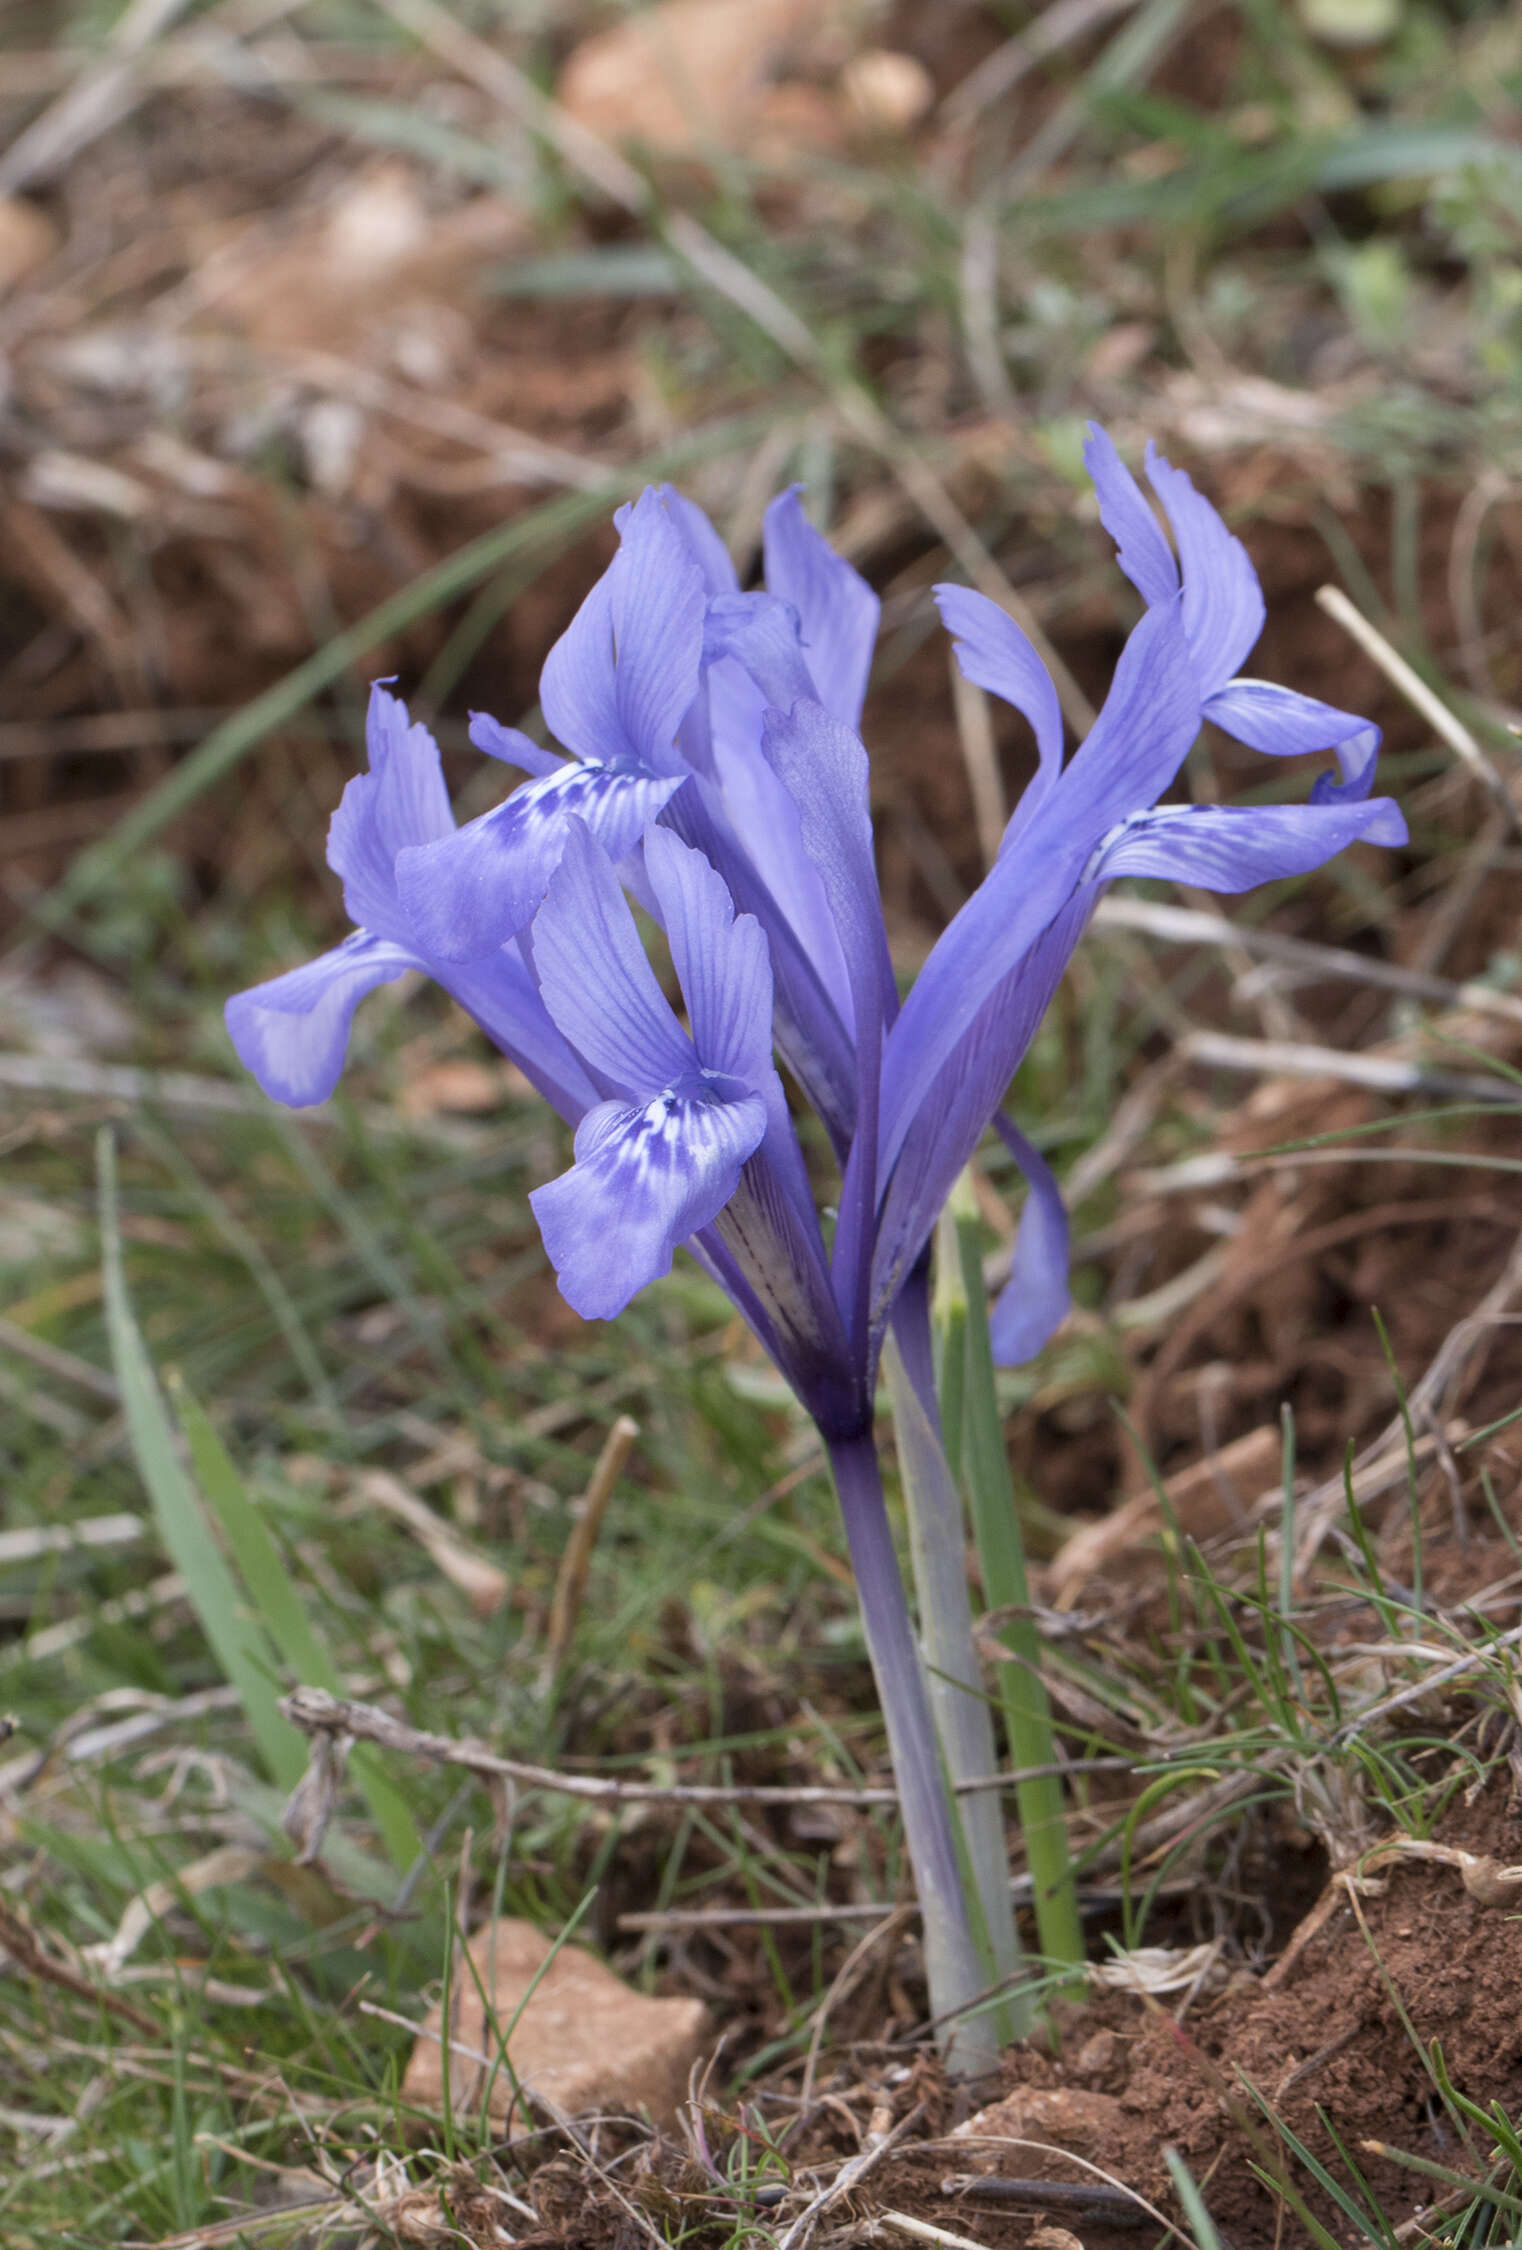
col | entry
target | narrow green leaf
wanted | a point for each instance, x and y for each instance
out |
(278, 1607)
(236, 1639)
(1001, 1558)
(616, 269)
(1186, 2188)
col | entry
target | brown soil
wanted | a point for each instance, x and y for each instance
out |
(1320, 2039)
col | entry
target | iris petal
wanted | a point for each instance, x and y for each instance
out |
(1281, 723)
(597, 981)
(1232, 847)
(994, 654)
(1034, 1302)
(646, 1176)
(293, 1032)
(720, 959)
(1135, 748)
(400, 801)
(836, 608)
(1223, 602)
(469, 892)
(1124, 510)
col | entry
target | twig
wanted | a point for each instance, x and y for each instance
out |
(484, 1583)
(1282, 1058)
(921, 2230)
(85, 1737)
(981, 758)
(26, 1949)
(1086, 2199)
(325, 1716)
(1473, 1661)
(1186, 925)
(999, 73)
(576, 1562)
(965, 2141)
(106, 87)
(30, 1542)
(1442, 721)
(198, 1096)
(67, 1366)
(1096, 1898)
(846, 1977)
(850, 2175)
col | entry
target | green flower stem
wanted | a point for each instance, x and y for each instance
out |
(953, 1968)
(957, 1699)
(1001, 1558)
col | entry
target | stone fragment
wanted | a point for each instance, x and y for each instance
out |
(584, 2040)
(889, 91)
(1067, 2120)
(686, 73)
(1096, 2055)
(28, 238)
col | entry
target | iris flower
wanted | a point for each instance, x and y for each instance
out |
(717, 781)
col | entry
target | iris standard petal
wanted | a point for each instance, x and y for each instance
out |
(400, 801)
(1223, 602)
(757, 820)
(621, 676)
(823, 766)
(576, 683)
(597, 982)
(1232, 847)
(705, 546)
(293, 1032)
(1126, 513)
(646, 1176)
(1135, 748)
(966, 1092)
(658, 602)
(994, 654)
(721, 961)
(837, 610)
(760, 632)
(469, 892)
(1034, 1301)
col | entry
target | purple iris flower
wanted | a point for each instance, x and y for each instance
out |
(718, 780)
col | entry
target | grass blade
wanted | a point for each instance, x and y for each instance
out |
(237, 1641)
(275, 1602)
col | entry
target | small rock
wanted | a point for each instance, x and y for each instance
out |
(28, 238)
(583, 2040)
(1069, 2120)
(1053, 2238)
(1096, 2055)
(685, 72)
(887, 90)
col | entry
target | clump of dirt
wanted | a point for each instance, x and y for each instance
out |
(1334, 2043)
